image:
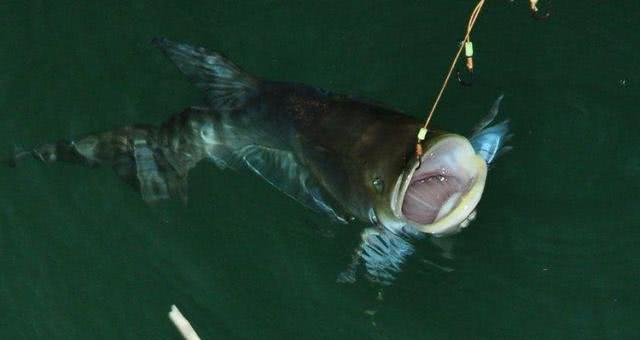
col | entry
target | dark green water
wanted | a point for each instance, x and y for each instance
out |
(554, 251)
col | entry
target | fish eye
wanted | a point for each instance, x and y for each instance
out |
(378, 184)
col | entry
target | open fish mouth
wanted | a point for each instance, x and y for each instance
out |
(440, 195)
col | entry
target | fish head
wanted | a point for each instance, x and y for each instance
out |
(438, 194)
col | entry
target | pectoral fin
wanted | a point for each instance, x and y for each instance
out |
(281, 169)
(382, 254)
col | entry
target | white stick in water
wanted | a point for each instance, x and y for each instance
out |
(182, 324)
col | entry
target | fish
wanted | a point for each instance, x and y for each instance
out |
(350, 159)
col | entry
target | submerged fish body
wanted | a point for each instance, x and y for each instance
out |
(347, 158)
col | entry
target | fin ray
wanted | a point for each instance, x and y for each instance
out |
(383, 253)
(493, 113)
(489, 140)
(281, 169)
(226, 85)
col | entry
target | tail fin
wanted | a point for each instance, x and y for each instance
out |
(489, 141)
(226, 85)
(132, 151)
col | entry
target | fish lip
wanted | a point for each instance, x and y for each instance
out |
(474, 166)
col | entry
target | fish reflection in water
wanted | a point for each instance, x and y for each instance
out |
(346, 158)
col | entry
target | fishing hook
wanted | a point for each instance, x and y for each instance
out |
(419, 154)
(465, 80)
(468, 54)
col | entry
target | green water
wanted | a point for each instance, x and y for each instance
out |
(553, 253)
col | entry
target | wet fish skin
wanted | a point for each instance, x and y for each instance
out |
(336, 154)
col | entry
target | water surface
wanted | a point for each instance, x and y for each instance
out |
(552, 254)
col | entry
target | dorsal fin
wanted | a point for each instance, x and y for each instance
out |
(226, 85)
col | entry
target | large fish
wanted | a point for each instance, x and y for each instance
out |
(345, 157)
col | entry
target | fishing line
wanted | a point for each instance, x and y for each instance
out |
(466, 45)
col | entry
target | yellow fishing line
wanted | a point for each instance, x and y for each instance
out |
(466, 44)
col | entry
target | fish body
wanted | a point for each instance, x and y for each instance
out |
(348, 158)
